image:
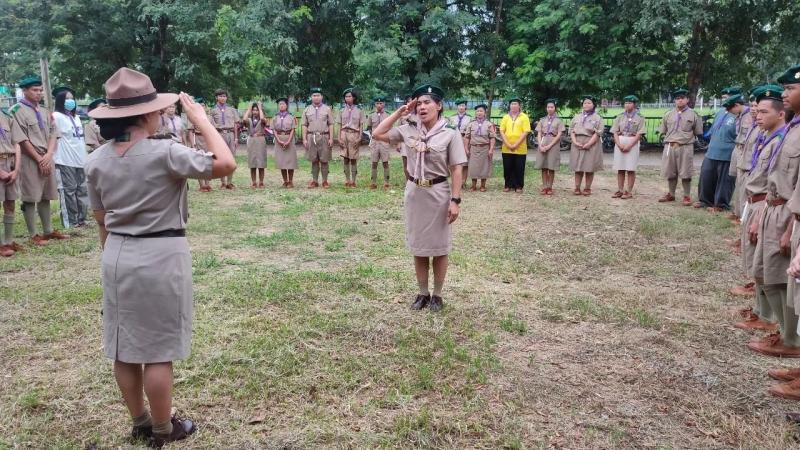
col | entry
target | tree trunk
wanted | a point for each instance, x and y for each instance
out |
(698, 60)
(498, 19)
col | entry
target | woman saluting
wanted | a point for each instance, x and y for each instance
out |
(147, 269)
(431, 204)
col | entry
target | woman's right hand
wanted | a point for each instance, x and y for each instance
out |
(752, 231)
(194, 111)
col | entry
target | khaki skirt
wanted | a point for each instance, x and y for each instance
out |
(427, 230)
(256, 152)
(147, 299)
(551, 159)
(480, 166)
(285, 159)
(590, 160)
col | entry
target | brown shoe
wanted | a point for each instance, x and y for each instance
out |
(687, 201)
(56, 235)
(697, 205)
(313, 185)
(784, 374)
(181, 429)
(326, 185)
(230, 186)
(748, 290)
(773, 345)
(386, 185)
(373, 186)
(473, 189)
(667, 198)
(753, 322)
(733, 216)
(6, 251)
(253, 186)
(626, 196)
(587, 192)
(483, 189)
(261, 185)
(577, 191)
(436, 303)
(617, 194)
(420, 302)
(289, 184)
(714, 209)
(39, 240)
(790, 390)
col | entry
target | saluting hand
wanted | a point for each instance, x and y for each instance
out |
(194, 111)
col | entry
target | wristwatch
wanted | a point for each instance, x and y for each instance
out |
(456, 200)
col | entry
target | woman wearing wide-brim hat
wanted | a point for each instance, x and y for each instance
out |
(138, 192)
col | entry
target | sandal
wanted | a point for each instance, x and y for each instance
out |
(483, 189)
(626, 196)
(617, 194)
(587, 192)
(577, 191)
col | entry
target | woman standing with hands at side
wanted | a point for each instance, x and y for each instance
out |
(146, 265)
(549, 130)
(586, 154)
(431, 205)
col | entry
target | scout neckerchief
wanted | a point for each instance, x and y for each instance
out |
(172, 124)
(380, 116)
(678, 122)
(757, 147)
(349, 109)
(221, 108)
(480, 126)
(460, 118)
(629, 122)
(30, 105)
(786, 128)
(550, 120)
(421, 147)
(740, 117)
(282, 115)
(77, 132)
(254, 125)
(586, 115)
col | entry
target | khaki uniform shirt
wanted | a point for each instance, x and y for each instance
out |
(461, 123)
(135, 207)
(443, 149)
(587, 125)
(756, 180)
(25, 127)
(681, 128)
(629, 125)
(317, 119)
(92, 136)
(556, 126)
(783, 175)
(351, 118)
(480, 133)
(224, 118)
(6, 144)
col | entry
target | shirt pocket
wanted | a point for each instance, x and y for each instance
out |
(687, 125)
(791, 160)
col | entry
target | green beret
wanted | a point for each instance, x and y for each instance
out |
(29, 81)
(733, 90)
(631, 98)
(791, 76)
(428, 89)
(482, 105)
(681, 92)
(282, 99)
(316, 90)
(590, 97)
(768, 91)
(732, 100)
(461, 102)
(96, 102)
(513, 99)
(220, 92)
(350, 90)
(61, 89)
(379, 99)
(551, 100)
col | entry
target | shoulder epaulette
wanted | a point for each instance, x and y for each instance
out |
(14, 108)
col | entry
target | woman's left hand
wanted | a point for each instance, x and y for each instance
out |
(452, 212)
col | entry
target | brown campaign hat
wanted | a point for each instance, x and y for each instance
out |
(131, 93)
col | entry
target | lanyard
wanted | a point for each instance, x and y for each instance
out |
(77, 130)
(630, 121)
(221, 108)
(550, 120)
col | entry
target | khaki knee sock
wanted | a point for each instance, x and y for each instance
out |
(673, 185)
(163, 429)
(43, 208)
(29, 213)
(325, 171)
(8, 229)
(144, 420)
(687, 187)
(315, 171)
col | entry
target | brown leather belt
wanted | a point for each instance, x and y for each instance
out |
(350, 130)
(155, 234)
(478, 145)
(7, 155)
(777, 201)
(325, 133)
(756, 198)
(282, 132)
(427, 183)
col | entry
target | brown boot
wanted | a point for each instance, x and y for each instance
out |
(181, 429)
(667, 198)
(773, 345)
(39, 240)
(790, 390)
(784, 374)
(57, 235)
(6, 251)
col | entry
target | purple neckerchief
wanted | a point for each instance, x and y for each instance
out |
(630, 119)
(460, 118)
(586, 115)
(480, 126)
(678, 122)
(36, 110)
(757, 146)
(786, 128)
(349, 109)
(222, 110)
(282, 115)
(172, 123)
(719, 123)
(550, 120)
(254, 125)
(3, 133)
(418, 171)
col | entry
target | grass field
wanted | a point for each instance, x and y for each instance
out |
(570, 323)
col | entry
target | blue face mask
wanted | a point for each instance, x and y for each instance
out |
(69, 104)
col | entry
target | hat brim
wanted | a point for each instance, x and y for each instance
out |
(118, 112)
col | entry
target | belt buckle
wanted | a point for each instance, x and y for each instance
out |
(424, 183)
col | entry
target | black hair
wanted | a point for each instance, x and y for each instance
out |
(254, 105)
(61, 97)
(775, 104)
(114, 128)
